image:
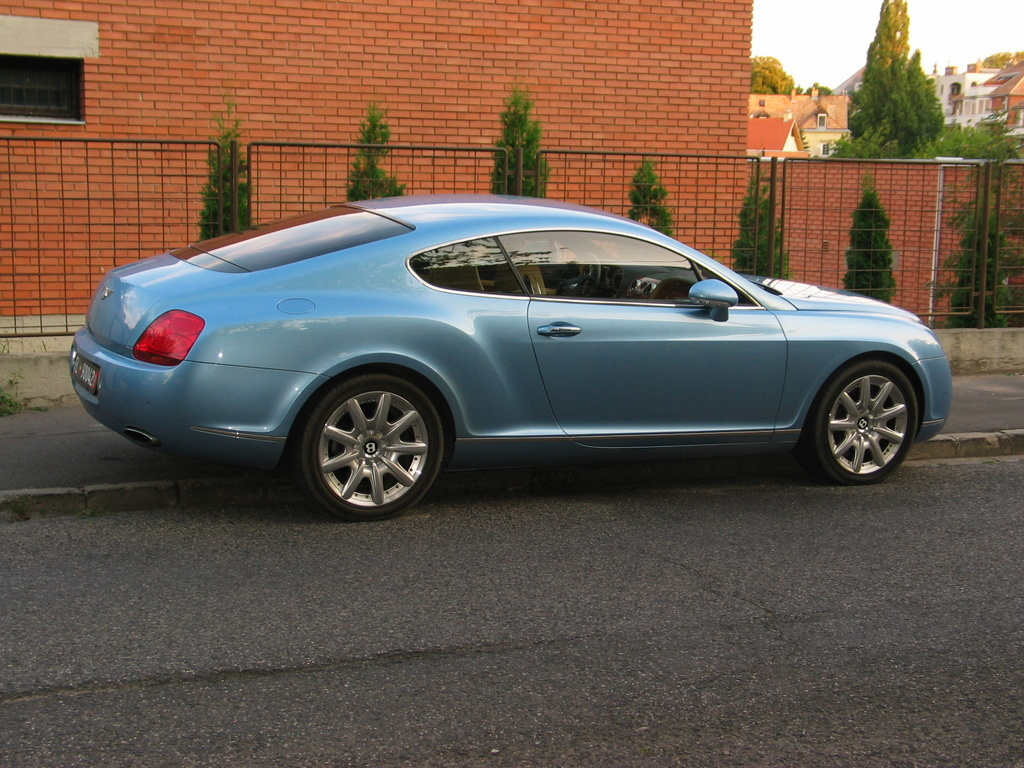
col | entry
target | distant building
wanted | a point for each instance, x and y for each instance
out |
(818, 121)
(974, 96)
(851, 84)
(965, 96)
(1007, 97)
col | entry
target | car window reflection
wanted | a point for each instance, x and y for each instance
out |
(478, 266)
(598, 265)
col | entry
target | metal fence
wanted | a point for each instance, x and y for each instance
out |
(1008, 259)
(72, 209)
(289, 178)
(943, 220)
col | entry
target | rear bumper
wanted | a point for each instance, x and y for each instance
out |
(219, 413)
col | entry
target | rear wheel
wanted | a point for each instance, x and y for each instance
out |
(369, 448)
(861, 425)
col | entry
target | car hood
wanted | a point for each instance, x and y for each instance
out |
(805, 296)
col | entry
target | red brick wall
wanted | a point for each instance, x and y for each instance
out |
(669, 75)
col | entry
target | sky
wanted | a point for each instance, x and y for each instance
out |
(828, 42)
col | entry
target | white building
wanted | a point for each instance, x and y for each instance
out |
(965, 96)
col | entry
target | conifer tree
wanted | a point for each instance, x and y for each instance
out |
(215, 217)
(519, 131)
(368, 180)
(963, 264)
(750, 249)
(869, 257)
(895, 113)
(648, 197)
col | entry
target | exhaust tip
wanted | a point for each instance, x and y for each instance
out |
(141, 436)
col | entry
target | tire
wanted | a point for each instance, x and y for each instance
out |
(861, 425)
(369, 448)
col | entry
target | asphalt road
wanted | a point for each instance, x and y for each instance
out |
(726, 623)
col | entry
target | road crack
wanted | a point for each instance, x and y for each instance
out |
(219, 676)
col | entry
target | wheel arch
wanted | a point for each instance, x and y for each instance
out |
(406, 373)
(905, 367)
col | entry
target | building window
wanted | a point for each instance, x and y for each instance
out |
(40, 87)
(822, 120)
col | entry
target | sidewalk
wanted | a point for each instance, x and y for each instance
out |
(62, 462)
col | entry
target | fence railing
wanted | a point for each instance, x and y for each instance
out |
(289, 178)
(72, 209)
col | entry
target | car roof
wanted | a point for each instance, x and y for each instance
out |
(436, 209)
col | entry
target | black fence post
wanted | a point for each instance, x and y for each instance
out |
(233, 200)
(518, 187)
(982, 249)
(772, 186)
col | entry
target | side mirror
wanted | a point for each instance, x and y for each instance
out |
(716, 296)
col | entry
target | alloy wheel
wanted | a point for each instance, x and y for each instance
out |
(867, 424)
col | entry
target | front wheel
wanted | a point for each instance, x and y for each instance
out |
(369, 448)
(861, 425)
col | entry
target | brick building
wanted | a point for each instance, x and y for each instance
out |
(668, 75)
(821, 120)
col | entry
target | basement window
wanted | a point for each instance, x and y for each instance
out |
(40, 87)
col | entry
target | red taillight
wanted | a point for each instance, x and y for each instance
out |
(169, 338)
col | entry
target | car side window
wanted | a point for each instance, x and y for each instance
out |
(477, 266)
(597, 265)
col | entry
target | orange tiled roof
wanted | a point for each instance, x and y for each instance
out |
(769, 133)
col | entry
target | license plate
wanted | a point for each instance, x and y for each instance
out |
(86, 373)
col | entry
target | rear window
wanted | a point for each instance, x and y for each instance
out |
(291, 240)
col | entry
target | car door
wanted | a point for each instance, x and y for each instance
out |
(625, 360)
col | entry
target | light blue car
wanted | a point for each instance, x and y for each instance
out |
(373, 344)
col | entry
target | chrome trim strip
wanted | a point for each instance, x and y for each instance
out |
(636, 436)
(680, 304)
(238, 435)
(532, 439)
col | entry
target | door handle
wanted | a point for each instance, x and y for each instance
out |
(559, 330)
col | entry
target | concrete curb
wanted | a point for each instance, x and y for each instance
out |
(270, 489)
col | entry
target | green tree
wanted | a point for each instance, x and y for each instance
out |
(823, 90)
(648, 197)
(368, 180)
(768, 76)
(1004, 255)
(962, 264)
(1003, 60)
(895, 113)
(215, 217)
(869, 257)
(519, 131)
(750, 249)
(986, 141)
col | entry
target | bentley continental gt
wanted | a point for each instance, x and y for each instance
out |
(371, 345)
